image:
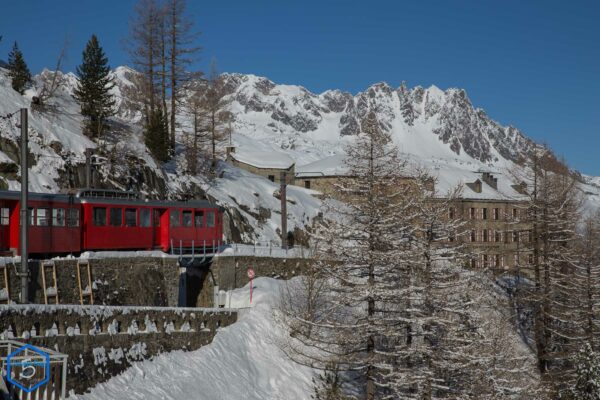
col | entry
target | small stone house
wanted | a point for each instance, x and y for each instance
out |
(268, 164)
(322, 175)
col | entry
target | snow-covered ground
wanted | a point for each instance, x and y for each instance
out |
(242, 362)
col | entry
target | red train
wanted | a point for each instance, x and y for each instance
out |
(108, 220)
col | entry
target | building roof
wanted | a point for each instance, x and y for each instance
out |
(330, 166)
(449, 177)
(262, 159)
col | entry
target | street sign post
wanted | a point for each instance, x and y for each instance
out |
(251, 277)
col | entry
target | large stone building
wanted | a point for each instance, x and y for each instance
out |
(269, 164)
(495, 228)
(490, 205)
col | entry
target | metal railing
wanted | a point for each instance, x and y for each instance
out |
(54, 389)
(195, 248)
(209, 248)
(265, 249)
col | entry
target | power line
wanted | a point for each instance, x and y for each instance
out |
(9, 115)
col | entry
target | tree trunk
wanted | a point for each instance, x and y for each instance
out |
(174, 72)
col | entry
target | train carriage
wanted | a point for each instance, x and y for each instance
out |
(54, 223)
(108, 220)
(110, 224)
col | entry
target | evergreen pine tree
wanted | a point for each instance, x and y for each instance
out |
(18, 70)
(156, 135)
(587, 368)
(93, 88)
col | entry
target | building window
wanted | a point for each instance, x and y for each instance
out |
(515, 213)
(496, 214)
(174, 218)
(516, 237)
(210, 219)
(472, 213)
(272, 178)
(485, 235)
(473, 236)
(130, 217)
(498, 237)
(72, 217)
(116, 216)
(484, 213)
(145, 217)
(186, 217)
(530, 257)
(199, 219)
(307, 184)
(4, 216)
(58, 217)
(498, 261)
(99, 216)
(451, 213)
(452, 237)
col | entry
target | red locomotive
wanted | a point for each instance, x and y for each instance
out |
(100, 220)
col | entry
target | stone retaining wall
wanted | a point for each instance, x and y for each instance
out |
(103, 341)
(142, 281)
(230, 272)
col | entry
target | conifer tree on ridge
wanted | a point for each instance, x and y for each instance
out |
(18, 70)
(93, 91)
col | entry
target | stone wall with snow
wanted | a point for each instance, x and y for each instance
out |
(102, 342)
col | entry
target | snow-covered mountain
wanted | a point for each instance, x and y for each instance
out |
(425, 122)
(439, 129)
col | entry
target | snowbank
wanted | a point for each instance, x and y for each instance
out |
(243, 362)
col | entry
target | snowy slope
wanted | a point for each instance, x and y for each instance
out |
(57, 148)
(242, 362)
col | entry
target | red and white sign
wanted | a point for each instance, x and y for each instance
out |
(251, 277)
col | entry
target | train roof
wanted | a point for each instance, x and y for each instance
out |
(101, 196)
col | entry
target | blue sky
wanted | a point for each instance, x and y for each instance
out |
(532, 64)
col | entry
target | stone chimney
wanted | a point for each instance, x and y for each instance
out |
(490, 180)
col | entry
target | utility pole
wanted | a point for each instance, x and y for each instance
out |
(24, 210)
(282, 179)
(88, 168)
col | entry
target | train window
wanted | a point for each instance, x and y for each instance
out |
(199, 219)
(210, 219)
(174, 218)
(100, 216)
(58, 217)
(4, 216)
(116, 216)
(145, 217)
(72, 217)
(130, 217)
(43, 217)
(187, 218)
